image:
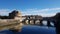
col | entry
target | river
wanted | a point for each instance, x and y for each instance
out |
(31, 29)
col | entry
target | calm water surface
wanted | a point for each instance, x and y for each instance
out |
(30, 29)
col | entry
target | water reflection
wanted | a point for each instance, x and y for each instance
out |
(29, 29)
(45, 23)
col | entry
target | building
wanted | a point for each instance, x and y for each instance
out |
(13, 15)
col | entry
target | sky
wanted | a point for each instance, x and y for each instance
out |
(30, 7)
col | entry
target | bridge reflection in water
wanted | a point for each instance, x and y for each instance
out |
(31, 29)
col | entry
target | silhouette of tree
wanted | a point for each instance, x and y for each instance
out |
(57, 24)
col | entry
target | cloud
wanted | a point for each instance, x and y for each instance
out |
(41, 10)
(44, 12)
(48, 15)
(4, 11)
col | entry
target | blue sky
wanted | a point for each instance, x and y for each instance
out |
(30, 7)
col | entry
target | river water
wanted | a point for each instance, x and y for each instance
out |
(31, 29)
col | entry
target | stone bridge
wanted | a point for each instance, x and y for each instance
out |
(38, 20)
